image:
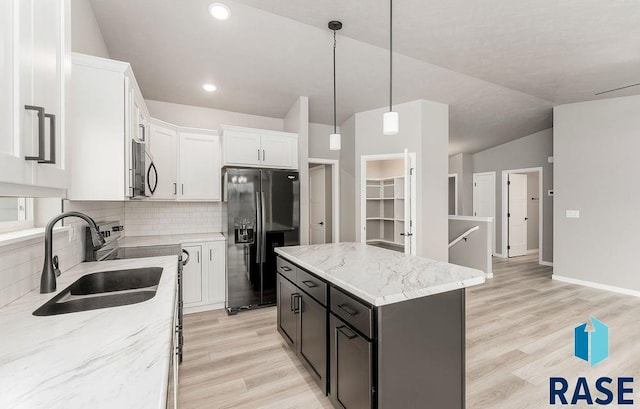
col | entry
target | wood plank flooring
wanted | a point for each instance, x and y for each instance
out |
(519, 333)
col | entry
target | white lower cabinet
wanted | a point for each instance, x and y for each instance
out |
(204, 285)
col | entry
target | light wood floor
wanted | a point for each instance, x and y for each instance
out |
(519, 333)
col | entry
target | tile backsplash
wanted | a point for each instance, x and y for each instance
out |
(21, 263)
(152, 218)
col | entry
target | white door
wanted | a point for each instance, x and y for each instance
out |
(163, 143)
(192, 276)
(517, 215)
(484, 198)
(199, 166)
(410, 238)
(317, 208)
(279, 151)
(242, 148)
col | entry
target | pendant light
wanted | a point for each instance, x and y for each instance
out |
(334, 138)
(390, 119)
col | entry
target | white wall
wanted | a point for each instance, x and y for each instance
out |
(297, 120)
(596, 147)
(319, 141)
(424, 130)
(86, 37)
(348, 180)
(208, 118)
(462, 165)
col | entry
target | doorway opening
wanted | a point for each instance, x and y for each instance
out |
(388, 201)
(453, 194)
(484, 199)
(324, 192)
(522, 212)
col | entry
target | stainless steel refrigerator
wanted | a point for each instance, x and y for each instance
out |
(263, 212)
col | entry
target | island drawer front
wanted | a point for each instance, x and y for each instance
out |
(353, 312)
(312, 286)
(287, 269)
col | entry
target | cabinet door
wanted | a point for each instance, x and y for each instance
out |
(192, 288)
(242, 148)
(50, 58)
(312, 340)
(287, 302)
(199, 166)
(280, 151)
(163, 146)
(351, 367)
(217, 272)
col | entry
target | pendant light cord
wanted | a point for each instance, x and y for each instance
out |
(390, 54)
(334, 82)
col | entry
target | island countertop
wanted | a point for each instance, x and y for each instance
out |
(108, 358)
(380, 276)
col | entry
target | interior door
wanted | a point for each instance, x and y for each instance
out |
(317, 208)
(484, 198)
(517, 215)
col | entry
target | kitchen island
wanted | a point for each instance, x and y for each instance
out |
(374, 327)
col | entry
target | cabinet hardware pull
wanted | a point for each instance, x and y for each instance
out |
(40, 111)
(183, 188)
(263, 155)
(285, 268)
(291, 302)
(144, 131)
(342, 329)
(258, 154)
(347, 309)
(52, 139)
(198, 257)
(175, 188)
(210, 254)
(296, 303)
(309, 283)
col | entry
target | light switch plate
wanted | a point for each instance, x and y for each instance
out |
(550, 159)
(573, 214)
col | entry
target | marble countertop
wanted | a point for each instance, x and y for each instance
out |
(168, 239)
(380, 276)
(110, 358)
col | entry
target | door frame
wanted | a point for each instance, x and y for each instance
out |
(363, 194)
(455, 183)
(505, 208)
(495, 212)
(335, 194)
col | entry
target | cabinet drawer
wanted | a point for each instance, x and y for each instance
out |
(287, 269)
(312, 286)
(353, 312)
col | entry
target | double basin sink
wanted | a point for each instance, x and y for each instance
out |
(104, 290)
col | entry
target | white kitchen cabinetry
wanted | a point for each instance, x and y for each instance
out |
(34, 75)
(204, 275)
(108, 112)
(259, 148)
(199, 165)
(163, 145)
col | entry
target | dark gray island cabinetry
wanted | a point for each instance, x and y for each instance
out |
(376, 328)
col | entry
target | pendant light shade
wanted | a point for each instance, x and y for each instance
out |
(334, 138)
(390, 120)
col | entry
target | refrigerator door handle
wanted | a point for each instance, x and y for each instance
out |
(263, 231)
(259, 229)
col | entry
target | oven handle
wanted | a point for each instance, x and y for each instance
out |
(184, 262)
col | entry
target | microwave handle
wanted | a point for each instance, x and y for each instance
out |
(155, 171)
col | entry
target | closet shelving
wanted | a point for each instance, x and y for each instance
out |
(385, 211)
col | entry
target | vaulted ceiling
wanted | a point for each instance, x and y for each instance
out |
(501, 65)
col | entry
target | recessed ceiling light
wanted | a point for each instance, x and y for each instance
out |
(219, 11)
(209, 87)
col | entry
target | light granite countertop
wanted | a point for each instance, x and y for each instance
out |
(380, 276)
(110, 358)
(168, 239)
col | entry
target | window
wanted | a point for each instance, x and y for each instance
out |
(16, 213)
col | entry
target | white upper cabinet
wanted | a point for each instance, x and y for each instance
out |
(259, 148)
(34, 47)
(163, 175)
(107, 114)
(199, 165)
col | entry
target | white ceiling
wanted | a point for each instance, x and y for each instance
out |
(500, 64)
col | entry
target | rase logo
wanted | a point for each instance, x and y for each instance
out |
(593, 347)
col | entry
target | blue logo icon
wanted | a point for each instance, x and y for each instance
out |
(591, 346)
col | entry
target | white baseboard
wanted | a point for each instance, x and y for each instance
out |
(488, 275)
(499, 255)
(598, 286)
(533, 251)
(546, 263)
(202, 308)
